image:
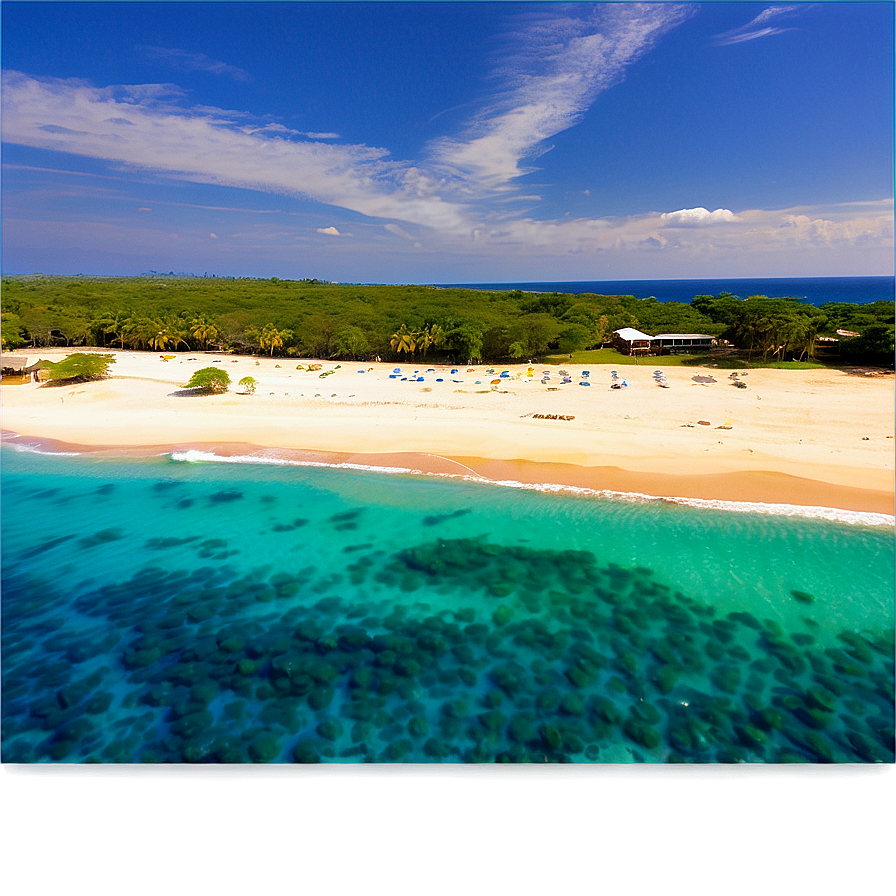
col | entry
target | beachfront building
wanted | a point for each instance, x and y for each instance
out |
(18, 366)
(629, 341)
(13, 365)
(827, 345)
(670, 343)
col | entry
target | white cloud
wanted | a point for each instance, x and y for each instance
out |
(570, 57)
(458, 200)
(213, 236)
(757, 27)
(698, 217)
(194, 62)
(399, 231)
(207, 146)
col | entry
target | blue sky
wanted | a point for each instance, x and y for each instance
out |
(448, 142)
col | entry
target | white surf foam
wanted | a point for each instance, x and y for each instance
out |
(193, 456)
(831, 514)
(36, 449)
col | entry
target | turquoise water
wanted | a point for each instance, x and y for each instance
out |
(159, 610)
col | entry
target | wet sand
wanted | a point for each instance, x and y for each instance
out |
(810, 437)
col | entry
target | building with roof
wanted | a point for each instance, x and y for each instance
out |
(670, 343)
(630, 341)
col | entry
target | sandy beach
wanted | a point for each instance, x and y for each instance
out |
(811, 437)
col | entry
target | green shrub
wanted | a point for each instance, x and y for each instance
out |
(209, 379)
(80, 367)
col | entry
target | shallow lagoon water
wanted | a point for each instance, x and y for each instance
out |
(164, 611)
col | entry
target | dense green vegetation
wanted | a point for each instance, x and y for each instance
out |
(308, 318)
(786, 328)
(79, 367)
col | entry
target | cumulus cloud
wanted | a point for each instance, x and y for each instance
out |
(748, 233)
(698, 217)
(759, 26)
(330, 231)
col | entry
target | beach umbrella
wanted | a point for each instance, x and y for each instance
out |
(703, 379)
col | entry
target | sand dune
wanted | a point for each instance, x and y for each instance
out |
(815, 437)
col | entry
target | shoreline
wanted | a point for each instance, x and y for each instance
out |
(748, 487)
(816, 438)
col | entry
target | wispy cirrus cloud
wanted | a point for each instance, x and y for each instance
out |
(216, 147)
(192, 62)
(570, 55)
(764, 25)
(457, 197)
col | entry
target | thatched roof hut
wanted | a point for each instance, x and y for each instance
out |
(13, 364)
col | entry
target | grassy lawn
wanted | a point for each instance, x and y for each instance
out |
(611, 356)
(791, 365)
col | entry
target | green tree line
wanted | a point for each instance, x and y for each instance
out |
(785, 328)
(310, 318)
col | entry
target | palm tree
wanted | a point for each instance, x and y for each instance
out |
(115, 322)
(138, 331)
(168, 333)
(404, 341)
(432, 335)
(269, 337)
(203, 329)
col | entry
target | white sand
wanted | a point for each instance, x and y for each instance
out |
(811, 437)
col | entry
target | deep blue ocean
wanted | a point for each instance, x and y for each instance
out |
(813, 290)
(185, 609)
